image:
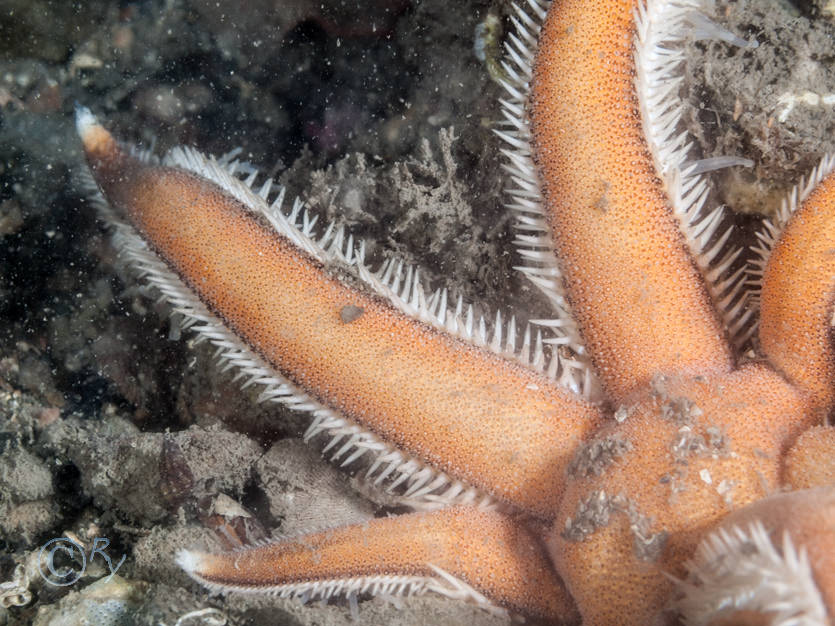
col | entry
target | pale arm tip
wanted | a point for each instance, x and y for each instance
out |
(190, 561)
(98, 143)
(84, 120)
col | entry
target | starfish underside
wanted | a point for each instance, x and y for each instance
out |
(572, 486)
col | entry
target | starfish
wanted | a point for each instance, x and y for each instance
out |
(576, 487)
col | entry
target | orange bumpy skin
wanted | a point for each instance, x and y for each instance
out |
(489, 551)
(687, 453)
(811, 461)
(634, 291)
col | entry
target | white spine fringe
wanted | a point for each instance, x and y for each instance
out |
(742, 570)
(533, 239)
(387, 586)
(661, 29)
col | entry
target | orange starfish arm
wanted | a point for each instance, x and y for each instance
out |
(460, 409)
(489, 552)
(774, 558)
(798, 290)
(639, 301)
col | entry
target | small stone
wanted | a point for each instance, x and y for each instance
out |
(621, 414)
(350, 313)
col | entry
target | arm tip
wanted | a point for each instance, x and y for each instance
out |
(84, 119)
(98, 142)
